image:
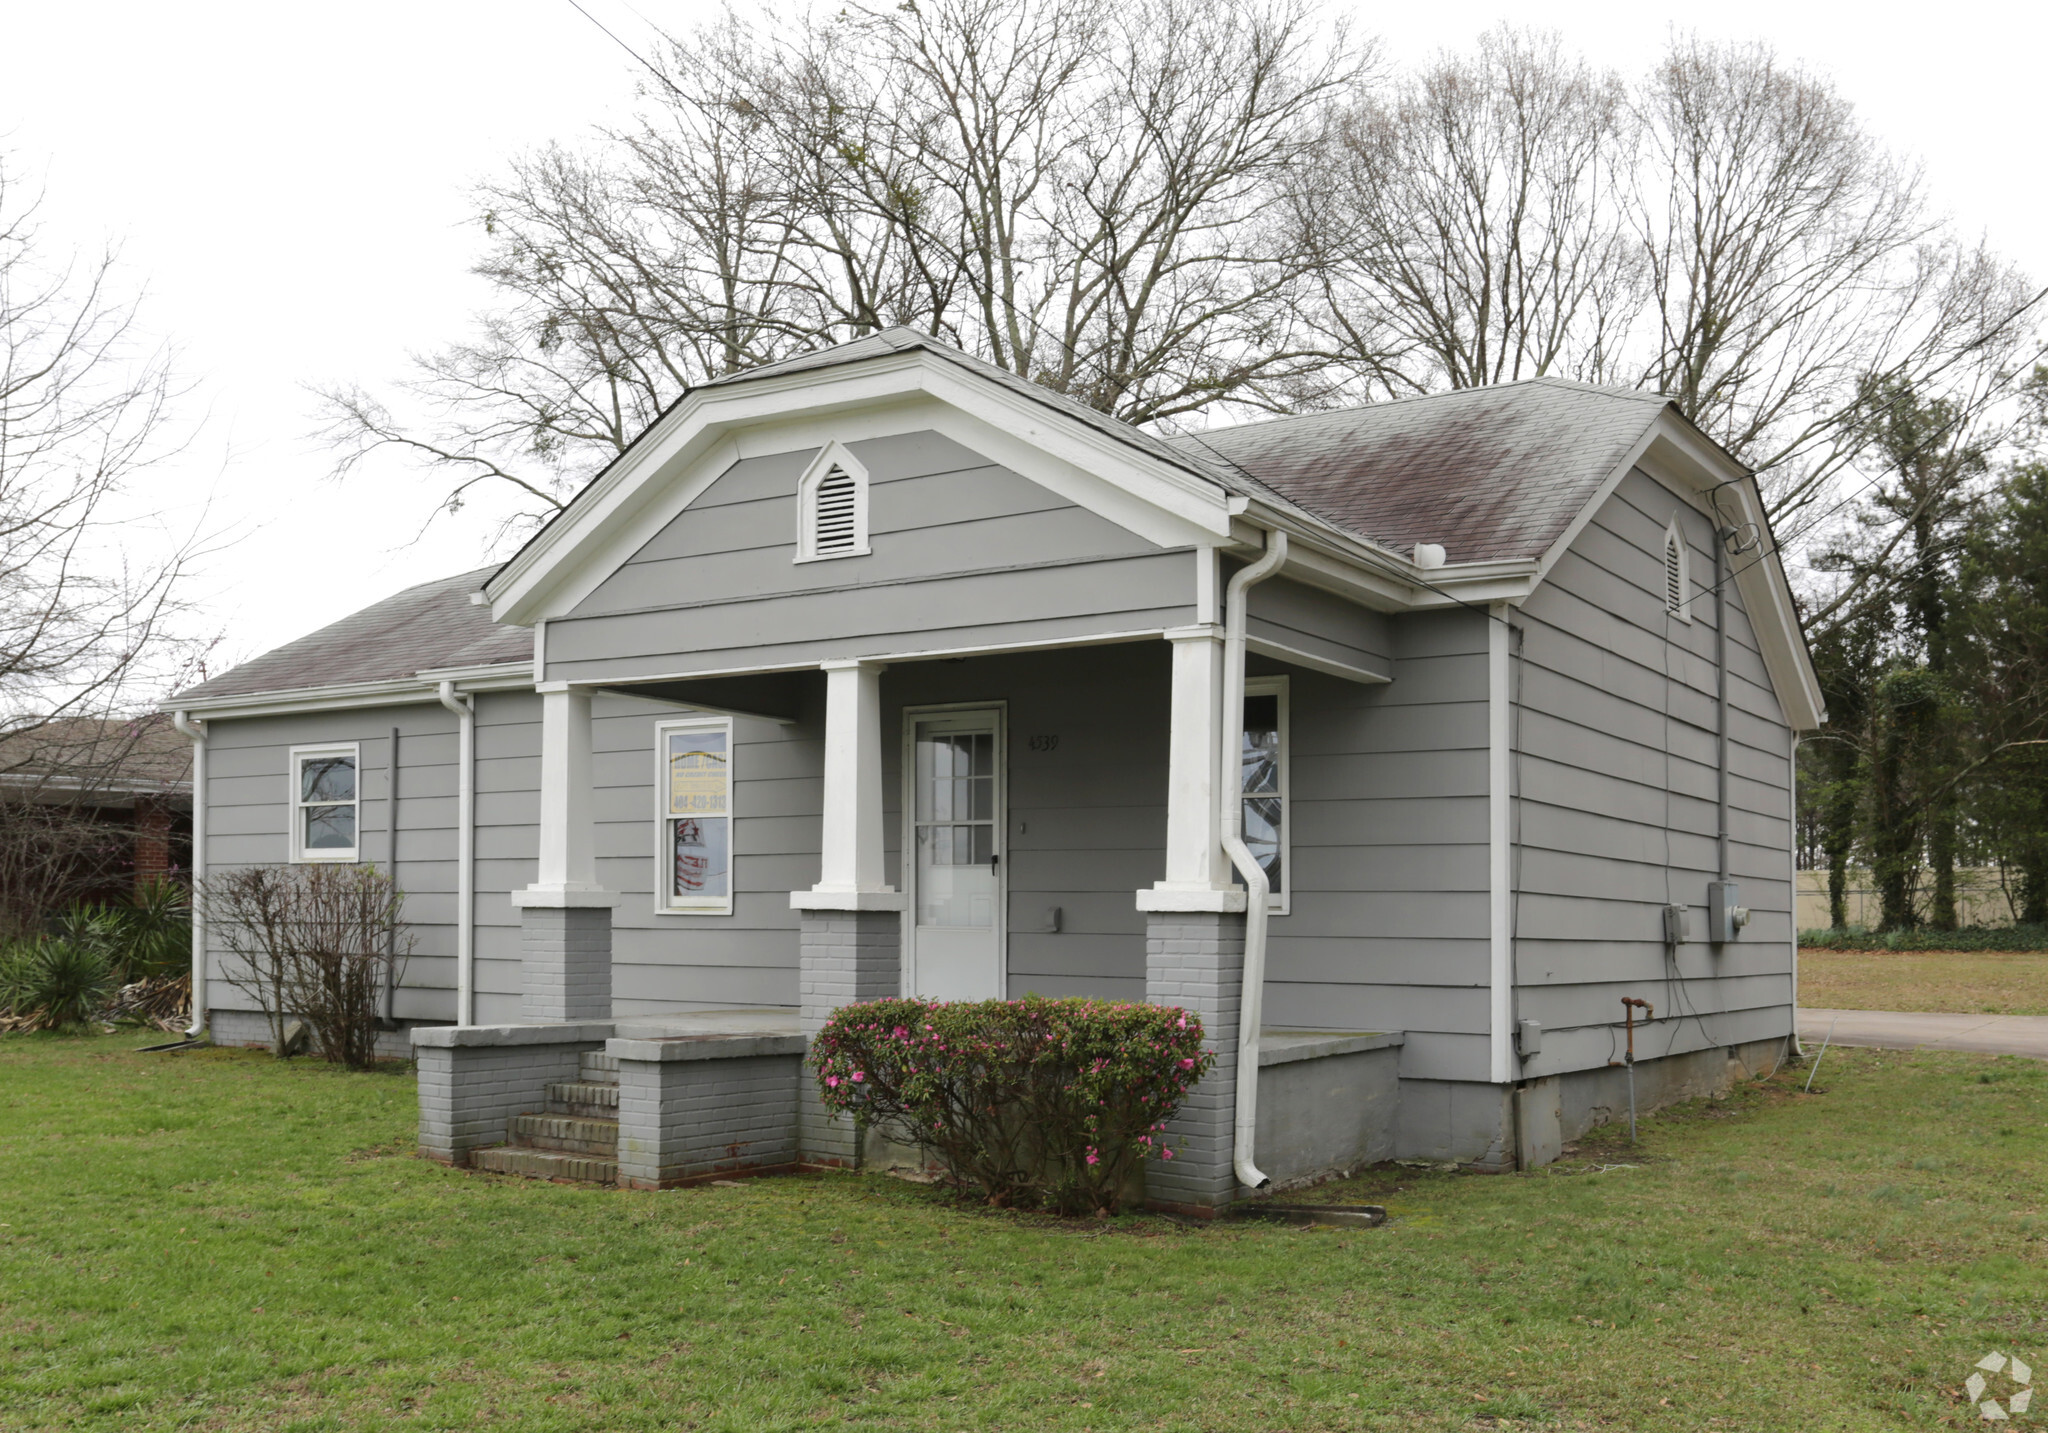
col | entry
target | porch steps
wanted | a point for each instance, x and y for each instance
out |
(575, 1139)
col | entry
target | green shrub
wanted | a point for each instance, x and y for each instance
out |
(55, 984)
(1992, 938)
(145, 939)
(1029, 1103)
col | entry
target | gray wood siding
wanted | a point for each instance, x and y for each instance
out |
(1387, 925)
(248, 794)
(965, 553)
(1308, 620)
(1615, 816)
(660, 962)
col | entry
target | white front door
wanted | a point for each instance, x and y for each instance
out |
(953, 847)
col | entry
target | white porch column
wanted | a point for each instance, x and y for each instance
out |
(1197, 871)
(565, 915)
(850, 940)
(850, 850)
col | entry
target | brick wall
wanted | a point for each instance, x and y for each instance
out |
(1196, 961)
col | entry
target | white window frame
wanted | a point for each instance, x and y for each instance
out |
(1675, 535)
(1278, 902)
(666, 902)
(833, 455)
(301, 853)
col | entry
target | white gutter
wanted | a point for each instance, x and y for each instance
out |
(464, 708)
(1230, 790)
(196, 730)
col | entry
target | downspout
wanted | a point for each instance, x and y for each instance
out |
(464, 708)
(195, 729)
(1252, 991)
(1792, 795)
(1721, 536)
(391, 860)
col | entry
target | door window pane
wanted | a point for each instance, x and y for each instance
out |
(955, 791)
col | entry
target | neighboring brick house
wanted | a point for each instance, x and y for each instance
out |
(90, 808)
(884, 670)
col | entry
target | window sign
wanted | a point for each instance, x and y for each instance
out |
(697, 817)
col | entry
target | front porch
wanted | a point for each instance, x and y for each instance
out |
(987, 826)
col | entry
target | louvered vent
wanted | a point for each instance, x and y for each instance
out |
(833, 514)
(1674, 576)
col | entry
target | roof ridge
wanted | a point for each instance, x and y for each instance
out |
(1607, 390)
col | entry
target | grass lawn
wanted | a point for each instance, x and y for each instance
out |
(218, 1241)
(1960, 982)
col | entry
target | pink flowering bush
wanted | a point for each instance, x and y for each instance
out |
(1031, 1103)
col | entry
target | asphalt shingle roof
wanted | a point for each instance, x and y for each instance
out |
(423, 628)
(1490, 473)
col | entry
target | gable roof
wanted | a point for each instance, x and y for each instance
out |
(431, 627)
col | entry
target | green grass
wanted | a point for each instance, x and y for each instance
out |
(217, 1241)
(1954, 982)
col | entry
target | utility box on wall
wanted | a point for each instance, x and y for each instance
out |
(1725, 918)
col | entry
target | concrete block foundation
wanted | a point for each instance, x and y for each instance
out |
(843, 957)
(474, 1079)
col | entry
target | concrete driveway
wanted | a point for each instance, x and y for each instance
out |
(1919, 1030)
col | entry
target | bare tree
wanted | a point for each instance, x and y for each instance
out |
(1092, 199)
(1472, 226)
(84, 624)
(1792, 261)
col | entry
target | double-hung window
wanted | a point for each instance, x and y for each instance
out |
(695, 864)
(1262, 778)
(326, 802)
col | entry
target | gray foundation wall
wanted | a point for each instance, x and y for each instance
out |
(248, 1030)
(1323, 1115)
(694, 1109)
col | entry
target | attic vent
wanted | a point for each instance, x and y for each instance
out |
(833, 518)
(832, 503)
(1675, 574)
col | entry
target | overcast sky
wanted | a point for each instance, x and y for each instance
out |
(290, 185)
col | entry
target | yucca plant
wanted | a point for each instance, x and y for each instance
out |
(56, 984)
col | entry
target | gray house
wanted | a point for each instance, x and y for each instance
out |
(881, 670)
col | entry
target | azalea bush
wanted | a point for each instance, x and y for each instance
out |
(1032, 1103)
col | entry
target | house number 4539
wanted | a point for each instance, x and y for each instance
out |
(1045, 743)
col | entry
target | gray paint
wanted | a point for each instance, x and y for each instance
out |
(1327, 1115)
(1387, 924)
(1615, 816)
(965, 553)
(1320, 624)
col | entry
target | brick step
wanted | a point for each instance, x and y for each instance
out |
(547, 1164)
(566, 1133)
(598, 1068)
(584, 1099)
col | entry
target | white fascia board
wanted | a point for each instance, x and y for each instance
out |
(399, 691)
(703, 435)
(1682, 458)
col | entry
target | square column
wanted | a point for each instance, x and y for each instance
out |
(565, 916)
(846, 956)
(850, 944)
(1197, 871)
(1195, 960)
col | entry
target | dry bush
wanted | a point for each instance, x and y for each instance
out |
(316, 943)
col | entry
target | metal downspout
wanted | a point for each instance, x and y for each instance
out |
(195, 729)
(1230, 789)
(1721, 536)
(464, 708)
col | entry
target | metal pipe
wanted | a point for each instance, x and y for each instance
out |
(464, 708)
(1230, 792)
(1629, 1005)
(192, 727)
